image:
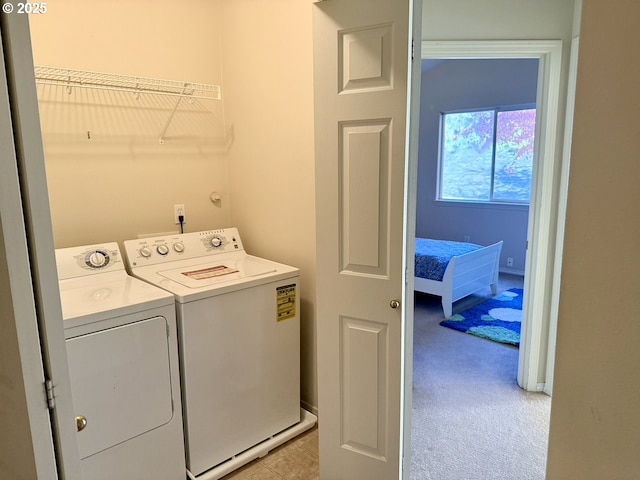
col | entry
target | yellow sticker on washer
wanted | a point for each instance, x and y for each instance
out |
(286, 299)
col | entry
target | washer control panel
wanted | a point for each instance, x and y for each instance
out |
(154, 250)
(88, 260)
(215, 241)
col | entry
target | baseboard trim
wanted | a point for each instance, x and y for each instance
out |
(511, 271)
(309, 408)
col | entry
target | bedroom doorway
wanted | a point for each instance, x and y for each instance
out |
(477, 137)
(535, 222)
(541, 216)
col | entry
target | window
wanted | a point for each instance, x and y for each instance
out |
(487, 155)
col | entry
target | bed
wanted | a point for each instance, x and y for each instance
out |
(453, 270)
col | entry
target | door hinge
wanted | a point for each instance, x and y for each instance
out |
(51, 398)
(412, 48)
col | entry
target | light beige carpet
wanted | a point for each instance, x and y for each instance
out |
(471, 421)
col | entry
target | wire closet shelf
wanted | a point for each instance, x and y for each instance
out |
(124, 83)
(70, 79)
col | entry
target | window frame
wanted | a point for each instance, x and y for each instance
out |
(496, 110)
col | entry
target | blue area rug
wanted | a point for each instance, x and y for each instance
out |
(497, 319)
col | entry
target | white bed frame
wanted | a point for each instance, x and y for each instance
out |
(464, 275)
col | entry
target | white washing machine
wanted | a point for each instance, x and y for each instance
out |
(239, 343)
(121, 340)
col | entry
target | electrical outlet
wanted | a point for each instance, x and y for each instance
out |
(177, 211)
(509, 261)
(466, 238)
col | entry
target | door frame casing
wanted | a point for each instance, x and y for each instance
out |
(38, 234)
(414, 82)
(543, 214)
(23, 412)
(562, 211)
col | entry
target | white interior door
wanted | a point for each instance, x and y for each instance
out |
(361, 53)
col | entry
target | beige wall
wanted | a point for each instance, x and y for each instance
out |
(268, 77)
(122, 182)
(595, 422)
(496, 19)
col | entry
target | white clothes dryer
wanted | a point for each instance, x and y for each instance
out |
(121, 340)
(239, 345)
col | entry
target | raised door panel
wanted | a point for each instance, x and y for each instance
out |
(364, 197)
(364, 344)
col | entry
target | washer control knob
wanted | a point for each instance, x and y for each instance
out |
(216, 242)
(162, 249)
(178, 247)
(145, 252)
(97, 259)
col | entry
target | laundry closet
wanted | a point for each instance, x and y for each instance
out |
(235, 150)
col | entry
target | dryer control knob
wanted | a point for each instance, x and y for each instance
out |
(216, 242)
(178, 247)
(145, 252)
(162, 249)
(97, 259)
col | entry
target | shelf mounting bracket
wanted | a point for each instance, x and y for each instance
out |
(173, 113)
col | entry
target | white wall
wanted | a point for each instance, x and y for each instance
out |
(467, 84)
(122, 182)
(268, 76)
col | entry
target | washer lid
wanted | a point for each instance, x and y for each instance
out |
(218, 271)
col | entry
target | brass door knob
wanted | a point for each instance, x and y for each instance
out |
(81, 423)
(394, 303)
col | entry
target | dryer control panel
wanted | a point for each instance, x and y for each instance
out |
(88, 260)
(165, 249)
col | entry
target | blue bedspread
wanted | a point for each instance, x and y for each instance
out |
(432, 256)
